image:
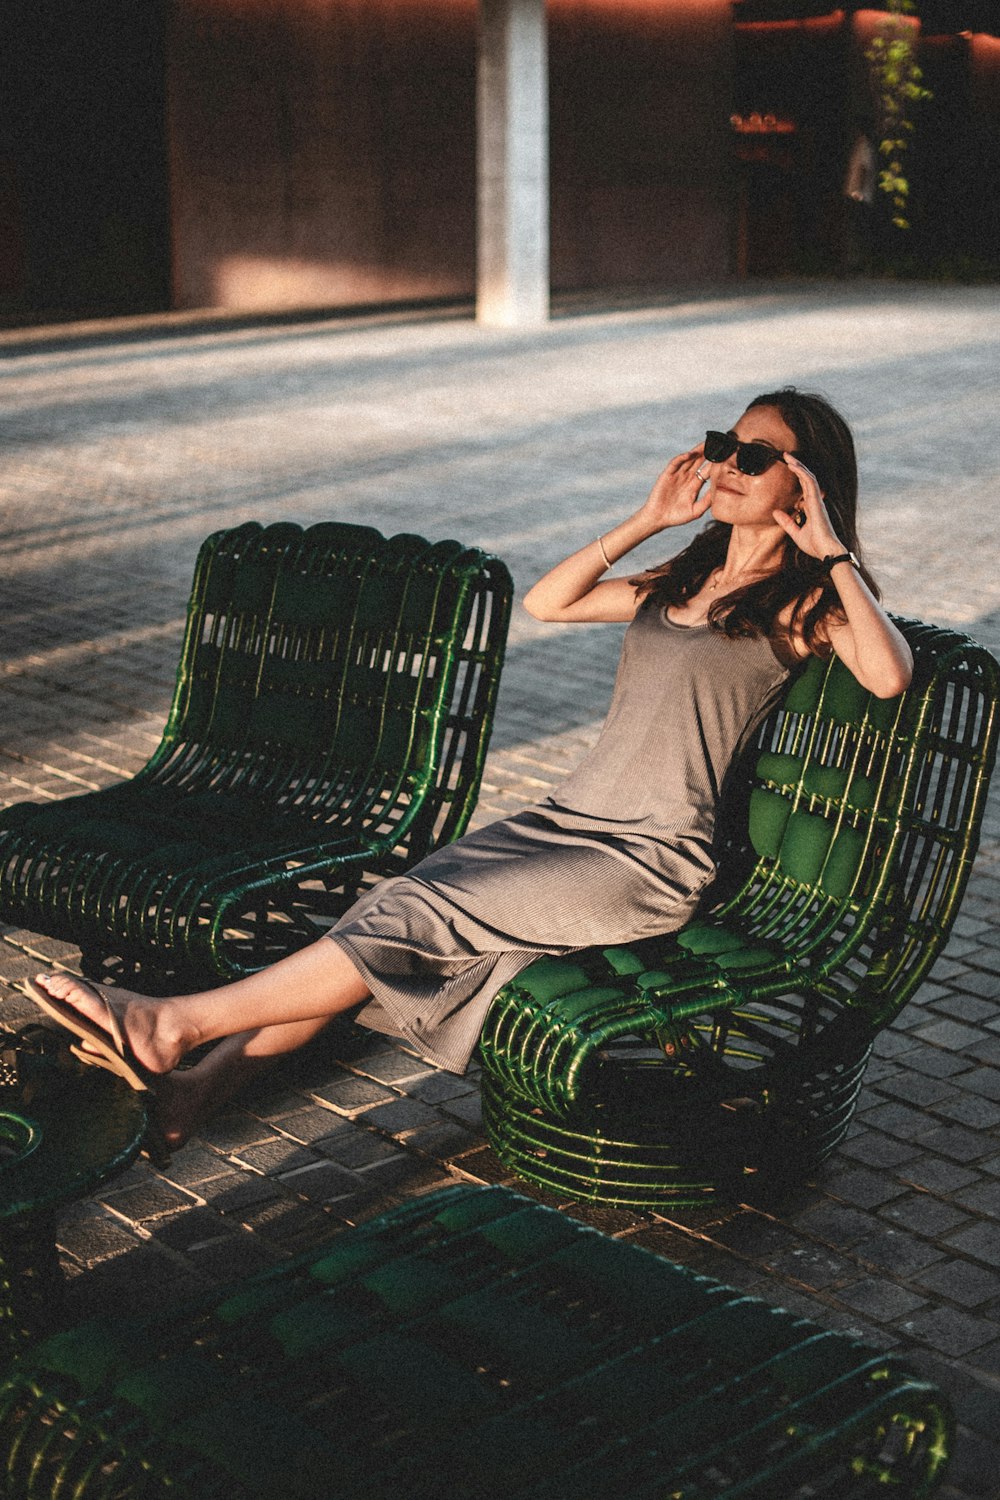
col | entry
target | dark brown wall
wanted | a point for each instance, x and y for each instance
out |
(985, 107)
(641, 93)
(323, 151)
(83, 173)
(789, 190)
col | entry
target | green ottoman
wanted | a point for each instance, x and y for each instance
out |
(469, 1344)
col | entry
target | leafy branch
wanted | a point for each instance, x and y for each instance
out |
(897, 81)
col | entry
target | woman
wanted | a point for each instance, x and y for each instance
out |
(623, 848)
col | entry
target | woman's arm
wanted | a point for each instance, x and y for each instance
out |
(572, 590)
(867, 641)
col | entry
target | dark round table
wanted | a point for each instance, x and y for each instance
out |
(64, 1130)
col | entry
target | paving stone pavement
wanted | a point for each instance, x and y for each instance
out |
(125, 444)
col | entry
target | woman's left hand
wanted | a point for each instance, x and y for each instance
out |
(861, 633)
(808, 524)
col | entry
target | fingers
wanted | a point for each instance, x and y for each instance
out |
(809, 526)
(680, 494)
(784, 520)
(696, 459)
(795, 523)
(808, 482)
(701, 498)
(684, 460)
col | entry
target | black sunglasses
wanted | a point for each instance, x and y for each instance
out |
(751, 458)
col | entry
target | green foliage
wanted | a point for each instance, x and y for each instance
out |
(897, 83)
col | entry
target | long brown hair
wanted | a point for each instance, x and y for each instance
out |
(823, 442)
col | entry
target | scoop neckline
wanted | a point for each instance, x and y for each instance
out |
(678, 625)
(704, 625)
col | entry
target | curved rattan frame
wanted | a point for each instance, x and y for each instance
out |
(469, 1343)
(673, 1069)
(329, 725)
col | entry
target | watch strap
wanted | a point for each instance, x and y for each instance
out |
(839, 557)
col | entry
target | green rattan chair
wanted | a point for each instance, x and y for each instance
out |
(673, 1069)
(333, 706)
(474, 1345)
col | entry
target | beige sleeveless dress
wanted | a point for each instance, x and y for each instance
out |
(621, 850)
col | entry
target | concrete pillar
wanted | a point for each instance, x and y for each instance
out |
(512, 257)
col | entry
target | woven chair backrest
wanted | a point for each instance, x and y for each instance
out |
(331, 672)
(865, 813)
(820, 778)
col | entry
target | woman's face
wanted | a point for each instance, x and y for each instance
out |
(746, 499)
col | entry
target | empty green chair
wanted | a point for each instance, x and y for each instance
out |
(333, 707)
(676, 1068)
(475, 1345)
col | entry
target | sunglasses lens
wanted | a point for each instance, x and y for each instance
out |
(718, 446)
(755, 458)
(751, 458)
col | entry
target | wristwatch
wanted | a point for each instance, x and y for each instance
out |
(831, 562)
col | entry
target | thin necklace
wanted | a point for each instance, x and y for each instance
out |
(751, 572)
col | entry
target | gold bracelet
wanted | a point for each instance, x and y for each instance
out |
(607, 560)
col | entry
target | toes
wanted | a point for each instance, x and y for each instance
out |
(59, 986)
(68, 988)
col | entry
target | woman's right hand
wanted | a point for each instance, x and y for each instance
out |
(576, 589)
(679, 495)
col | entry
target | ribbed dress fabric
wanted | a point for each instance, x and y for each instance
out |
(621, 850)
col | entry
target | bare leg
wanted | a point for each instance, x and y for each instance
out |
(187, 1096)
(312, 985)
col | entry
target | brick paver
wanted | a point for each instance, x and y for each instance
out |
(126, 445)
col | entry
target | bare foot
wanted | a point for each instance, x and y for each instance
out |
(184, 1101)
(145, 1024)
